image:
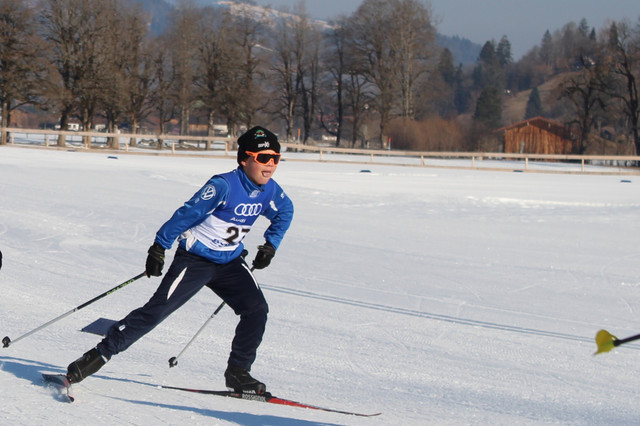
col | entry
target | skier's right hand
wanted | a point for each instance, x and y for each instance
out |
(155, 260)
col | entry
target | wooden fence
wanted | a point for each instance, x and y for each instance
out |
(197, 146)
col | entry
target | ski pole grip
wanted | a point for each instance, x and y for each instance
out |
(6, 342)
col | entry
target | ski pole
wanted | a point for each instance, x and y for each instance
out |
(606, 341)
(173, 361)
(7, 341)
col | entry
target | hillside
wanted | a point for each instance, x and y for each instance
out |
(515, 105)
(464, 51)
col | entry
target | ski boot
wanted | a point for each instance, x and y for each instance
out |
(86, 365)
(239, 380)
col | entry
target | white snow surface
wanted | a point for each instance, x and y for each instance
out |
(430, 295)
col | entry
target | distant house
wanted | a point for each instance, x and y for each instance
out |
(538, 136)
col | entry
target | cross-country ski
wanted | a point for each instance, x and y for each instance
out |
(266, 397)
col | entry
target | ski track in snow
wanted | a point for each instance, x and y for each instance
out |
(439, 317)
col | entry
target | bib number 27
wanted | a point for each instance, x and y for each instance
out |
(236, 234)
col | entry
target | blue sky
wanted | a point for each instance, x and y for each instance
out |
(523, 22)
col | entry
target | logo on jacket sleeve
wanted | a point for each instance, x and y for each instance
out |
(208, 192)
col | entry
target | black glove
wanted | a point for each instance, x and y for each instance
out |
(264, 256)
(155, 260)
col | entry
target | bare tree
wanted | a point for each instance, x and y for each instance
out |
(392, 39)
(59, 30)
(162, 95)
(73, 30)
(246, 94)
(413, 41)
(584, 90)
(138, 73)
(182, 37)
(334, 61)
(370, 44)
(96, 63)
(308, 39)
(215, 61)
(624, 62)
(286, 80)
(359, 94)
(359, 100)
(21, 65)
(127, 67)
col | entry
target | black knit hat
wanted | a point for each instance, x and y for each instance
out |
(256, 139)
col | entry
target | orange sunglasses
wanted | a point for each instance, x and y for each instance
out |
(265, 158)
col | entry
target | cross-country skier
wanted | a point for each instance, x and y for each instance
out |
(210, 228)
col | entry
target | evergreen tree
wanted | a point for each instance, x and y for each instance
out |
(546, 48)
(503, 52)
(489, 108)
(583, 28)
(489, 70)
(534, 105)
(446, 67)
(487, 63)
(462, 94)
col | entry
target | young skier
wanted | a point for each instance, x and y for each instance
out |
(210, 228)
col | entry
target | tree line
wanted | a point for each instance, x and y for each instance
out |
(375, 78)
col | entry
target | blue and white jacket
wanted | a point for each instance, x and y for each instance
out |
(214, 221)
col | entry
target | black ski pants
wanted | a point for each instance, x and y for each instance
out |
(232, 282)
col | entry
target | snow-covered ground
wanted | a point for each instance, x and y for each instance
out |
(431, 295)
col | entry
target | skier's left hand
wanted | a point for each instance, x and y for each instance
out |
(264, 256)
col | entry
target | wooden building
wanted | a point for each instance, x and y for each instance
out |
(538, 136)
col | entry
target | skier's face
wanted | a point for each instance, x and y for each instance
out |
(259, 172)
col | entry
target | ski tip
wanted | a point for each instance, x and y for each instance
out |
(54, 376)
(61, 382)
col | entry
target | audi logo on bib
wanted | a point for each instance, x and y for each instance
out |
(248, 209)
